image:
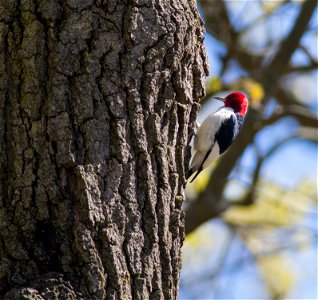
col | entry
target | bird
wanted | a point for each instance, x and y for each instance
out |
(217, 132)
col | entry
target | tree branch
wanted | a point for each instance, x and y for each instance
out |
(313, 60)
(302, 69)
(218, 24)
(211, 202)
(280, 61)
(303, 133)
(302, 114)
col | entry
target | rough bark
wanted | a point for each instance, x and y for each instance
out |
(97, 104)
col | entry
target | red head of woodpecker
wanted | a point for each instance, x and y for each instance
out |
(218, 131)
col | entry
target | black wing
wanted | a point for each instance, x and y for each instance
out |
(228, 131)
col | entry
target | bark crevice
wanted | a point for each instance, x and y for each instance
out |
(96, 109)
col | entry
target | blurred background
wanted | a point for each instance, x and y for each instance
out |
(251, 218)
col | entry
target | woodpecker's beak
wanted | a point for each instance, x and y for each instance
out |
(219, 98)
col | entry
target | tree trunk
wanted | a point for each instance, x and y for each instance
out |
(97, 104)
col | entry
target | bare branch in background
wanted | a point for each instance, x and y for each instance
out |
(280, 61)
(303, 69)
(263, 18)
(312, 59)
(309, 134)
(211, 202)
(302, 114)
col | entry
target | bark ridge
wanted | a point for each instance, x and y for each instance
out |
(97, 102)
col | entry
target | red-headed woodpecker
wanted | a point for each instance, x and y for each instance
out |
(218, 131)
